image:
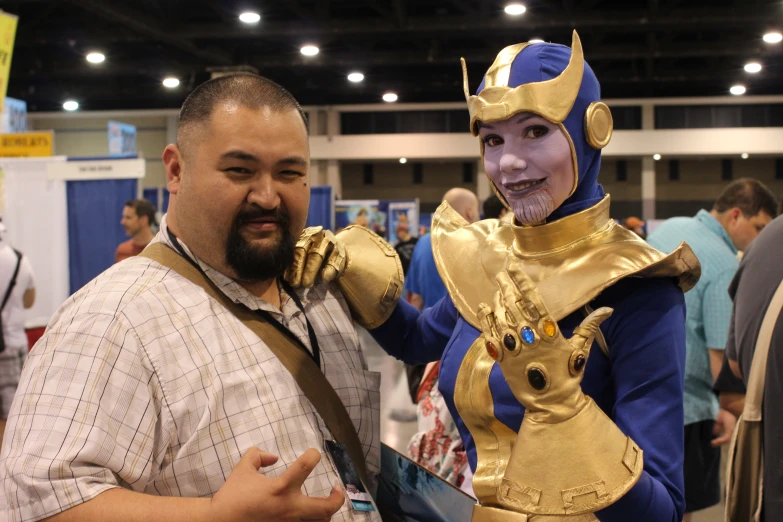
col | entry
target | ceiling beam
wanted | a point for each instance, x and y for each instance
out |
(149, 27)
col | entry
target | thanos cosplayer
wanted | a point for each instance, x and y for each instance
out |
(562, 338)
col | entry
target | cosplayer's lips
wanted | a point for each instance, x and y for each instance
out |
(523, 188)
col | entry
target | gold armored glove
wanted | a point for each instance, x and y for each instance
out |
(365, 267)
(569, 458)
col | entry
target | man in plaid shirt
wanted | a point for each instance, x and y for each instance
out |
(146, 399)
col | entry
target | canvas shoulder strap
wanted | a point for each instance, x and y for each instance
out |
(14, 277)
(758, 368)
(293, 357)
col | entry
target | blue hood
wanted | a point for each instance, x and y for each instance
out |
(544, 61)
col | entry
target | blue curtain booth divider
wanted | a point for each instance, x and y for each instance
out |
(165, 207)
(321, 207)
(94, 230)
(151, 195)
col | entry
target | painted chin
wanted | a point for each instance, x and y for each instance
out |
(532, 208)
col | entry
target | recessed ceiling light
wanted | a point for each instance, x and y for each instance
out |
(95, 57)
(390, 97)
(250, 17)
(752, 67)
(535, 40)
(745, 155)
(309, 50)
(70, 105)
(515, 9)
(773, 37)
(403, 160)
(656, 157)
(737, 90)
(171, 83)
(355, 77)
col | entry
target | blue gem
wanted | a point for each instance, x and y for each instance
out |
(528, 335)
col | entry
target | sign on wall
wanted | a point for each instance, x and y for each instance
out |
(7, 36)
(27, 144)
(14, 116)
(96, 169)
(122, 140)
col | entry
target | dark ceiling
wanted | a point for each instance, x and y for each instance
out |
(637, 48)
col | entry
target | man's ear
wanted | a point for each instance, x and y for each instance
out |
(173, 163)
(735, 213)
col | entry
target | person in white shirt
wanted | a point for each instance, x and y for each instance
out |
(146, 399)
(17, 289)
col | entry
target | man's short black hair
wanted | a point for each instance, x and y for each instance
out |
(493, 207)
(246, 89)
(749, 195)
(142, 207)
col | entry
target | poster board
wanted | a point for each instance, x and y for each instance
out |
(403, 214)
(409, 493)
(365, 212)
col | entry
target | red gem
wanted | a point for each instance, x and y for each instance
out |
(492, 351)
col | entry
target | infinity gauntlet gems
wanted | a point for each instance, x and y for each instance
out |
(492, 350)
(549, 328)
(509, 342)
(528, 335)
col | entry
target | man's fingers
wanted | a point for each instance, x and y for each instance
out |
(257, 459)
(300, 469)
(720, 441)
(322, 508)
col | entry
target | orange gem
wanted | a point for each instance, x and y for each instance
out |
(549, 328)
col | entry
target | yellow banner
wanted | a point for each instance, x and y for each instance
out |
(27, 144)
(7, 36)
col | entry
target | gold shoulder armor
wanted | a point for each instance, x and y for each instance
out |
(571, 260)
(372, 279)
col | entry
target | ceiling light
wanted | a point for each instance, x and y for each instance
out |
(70, 105)
(737, 90)
(390, 97)
(535, 40)
(656, 157)
(309, 50)
(515, 9)
(355, 77)
(250, 17)
(171, 83)
(773, 37)
(745, 155)
(403, 160)
(95, 57)
(752, 67)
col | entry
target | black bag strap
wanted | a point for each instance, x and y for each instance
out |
(13, 279)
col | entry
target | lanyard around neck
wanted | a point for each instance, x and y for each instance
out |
(316, 351)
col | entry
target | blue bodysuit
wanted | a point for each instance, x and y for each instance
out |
(641, 389)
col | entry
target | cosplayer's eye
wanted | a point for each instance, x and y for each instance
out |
(536, 131)
(493, 141)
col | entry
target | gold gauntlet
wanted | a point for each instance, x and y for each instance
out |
(364, 266)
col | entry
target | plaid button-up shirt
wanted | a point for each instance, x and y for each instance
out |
(143, 381)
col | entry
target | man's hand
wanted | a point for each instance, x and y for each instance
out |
(318, 253)
(724, 427)
(250, 496)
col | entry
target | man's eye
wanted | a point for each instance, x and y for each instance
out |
(238, 170)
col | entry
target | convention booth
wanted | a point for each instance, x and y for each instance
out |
(64, 215)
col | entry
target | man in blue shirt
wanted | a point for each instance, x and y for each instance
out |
(423, 280)
(738, 215)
